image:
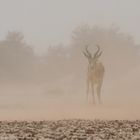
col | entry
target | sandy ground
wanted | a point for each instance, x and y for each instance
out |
(73, 129)
(28, 103)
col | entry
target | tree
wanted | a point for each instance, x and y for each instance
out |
(119, 49)
(119, 55)
(57, 61)
(16, 57)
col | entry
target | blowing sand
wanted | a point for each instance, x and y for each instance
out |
(20, 103)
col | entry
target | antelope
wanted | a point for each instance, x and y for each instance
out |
(95, 72)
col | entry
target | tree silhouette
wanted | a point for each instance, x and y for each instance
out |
(57, 62)
(119, 53)
(119, 49)
(16, 57)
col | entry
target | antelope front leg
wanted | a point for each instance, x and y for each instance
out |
(99, 92)
(92, 88)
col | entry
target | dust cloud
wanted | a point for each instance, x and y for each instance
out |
(53, 85)
(31, 102)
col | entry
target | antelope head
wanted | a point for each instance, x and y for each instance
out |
(92, 59)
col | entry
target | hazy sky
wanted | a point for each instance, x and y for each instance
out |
(46, 22)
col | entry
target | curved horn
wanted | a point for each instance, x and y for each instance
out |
(99, 54)
(89, 54)
(96, 53)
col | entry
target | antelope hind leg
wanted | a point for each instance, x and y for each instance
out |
(92, 88)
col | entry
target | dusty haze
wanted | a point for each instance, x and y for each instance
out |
(43, 69)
